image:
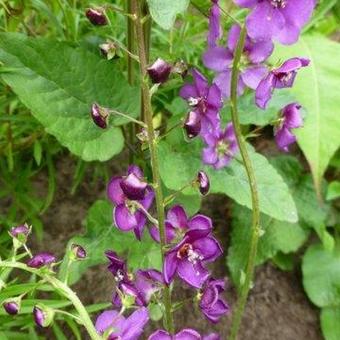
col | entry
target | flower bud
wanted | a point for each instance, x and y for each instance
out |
(203, 182)
(20, 232)
(192, 124)
(78, 252)
(43, 315)
(133, 187)
(12, 306)
(109, 50)
(40, 260)
(159, 71)
(99, 115)
(96, 16)
(181, 67)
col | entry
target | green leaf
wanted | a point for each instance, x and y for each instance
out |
(333, 191)
(164, 12)
(180, 162)
(321, 275)
(59, 82)
(37, 152)
(278, 236)
(101, 235)
(316, 88)
(330, 323)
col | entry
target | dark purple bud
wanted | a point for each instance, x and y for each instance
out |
(192, 124)
(133, 187)
(181, 68)
(11, 307)
(96, 16)
(203, 182)
(20, 232)
(78, 252)
(43, 315)
(40, 260)
(99, 115)
(159, 71)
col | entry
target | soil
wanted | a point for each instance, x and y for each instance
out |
(277, 306)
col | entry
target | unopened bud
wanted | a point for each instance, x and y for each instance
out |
(12, 306)
(96, 16)
(43, 315)
(203, 182)
(78, 252)
(159, 71)
(20, 232)
(192, 124)
(100, 115)
(40, 260)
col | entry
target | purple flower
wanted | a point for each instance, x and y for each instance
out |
(290, 119)
(278, 19)
(177, 224)
(78, 252)
(148, 282)
(185, 334)
(214, 24)
(278, 78)
(122, 328)
(212, 304)
(96, 16)
(220, 59)
(203, 182)
(129, 194)
(188, 258)
(192, 124)
(40, 260)
(19, 230)
(43, 315)
(159, 71)
(99, 115)
(39, 316)
(11, 307)
(204, 100)
(222, 146)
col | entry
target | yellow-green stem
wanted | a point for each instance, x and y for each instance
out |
(238, 312)
(147, 109)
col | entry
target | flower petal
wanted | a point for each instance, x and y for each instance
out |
(253, 75)
(264, 91)
(123, 219)
(170, 266)
(217, 59)
(208, 247)
(160, 335)
(187, 334)
(107, 319)
(284, 138)
(177, 217)
(201, 83)
(134, 324)
(192, 273)
(115, 192)
(200, 222)
(187, 91)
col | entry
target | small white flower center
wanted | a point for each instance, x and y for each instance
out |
(279, 3)
(119, 276)
(193, 101)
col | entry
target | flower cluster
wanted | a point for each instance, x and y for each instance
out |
(190, 247)
(268, 20)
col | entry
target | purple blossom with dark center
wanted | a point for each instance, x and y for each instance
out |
(96, 16)
(185, 334)
(290, 118)
(40, 260)
(119, 327)
(177, 224)
(11, 307)
(99, 115)
(220, 60)
(188, 258)
(205, 100)
(281, 20)
(130, 195)
(203, 182)
(211, 303)
(222, 146)
(159, 71)
(192, 124)
(215, 31)
(278, 78)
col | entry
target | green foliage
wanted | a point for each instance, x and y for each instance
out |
(59, 83)
(333, 190)
(330, 325)
(101, 235)
(180, 161)
(316, 88)
(321, 275)
(164, 12)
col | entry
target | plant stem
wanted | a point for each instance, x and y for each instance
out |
(153, 153)
(253, 189)
(65, 290)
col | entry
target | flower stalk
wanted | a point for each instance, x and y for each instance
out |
(65, 290)
(152, 142)
(245, 288)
